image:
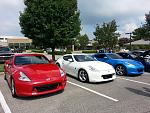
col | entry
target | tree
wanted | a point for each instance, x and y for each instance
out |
(106, 34)
(82, 40)
(123, 41)
(144, 31)
(50, 23)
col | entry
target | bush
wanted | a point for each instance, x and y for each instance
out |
(37, 51)
(89, 51)
(61, 53)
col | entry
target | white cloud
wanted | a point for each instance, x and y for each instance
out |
(129, 14)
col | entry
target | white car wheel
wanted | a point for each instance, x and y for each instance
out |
(83, 76)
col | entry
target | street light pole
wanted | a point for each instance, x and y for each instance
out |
(130, 39)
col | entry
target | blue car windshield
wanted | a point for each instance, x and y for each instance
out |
(114, 56)
(25, 60)
(83, 58)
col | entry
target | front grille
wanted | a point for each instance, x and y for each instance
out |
(107, 76)
(46, 87)
(140, 70)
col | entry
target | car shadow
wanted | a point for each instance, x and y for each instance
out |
(40, 96)
(89, 82)
(144, 92)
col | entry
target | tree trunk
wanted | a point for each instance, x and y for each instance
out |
(53, 54)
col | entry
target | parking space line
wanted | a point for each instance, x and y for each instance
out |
(134, 81)
(97, 93)
(4, 104)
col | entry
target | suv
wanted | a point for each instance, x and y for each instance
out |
(5, 54)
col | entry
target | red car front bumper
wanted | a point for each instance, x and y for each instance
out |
(40, 87)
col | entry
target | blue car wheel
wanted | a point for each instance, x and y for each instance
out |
(120, 70)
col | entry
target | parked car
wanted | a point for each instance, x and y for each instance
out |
(144, 58)
(122, 66)
(125, 55)
(85, 68)
(33, 74)
(5, 54)
(137, 52)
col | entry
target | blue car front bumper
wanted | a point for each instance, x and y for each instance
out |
(135, 70)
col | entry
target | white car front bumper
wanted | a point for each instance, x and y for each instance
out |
(101, 76)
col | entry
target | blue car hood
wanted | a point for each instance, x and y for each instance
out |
(134, 62)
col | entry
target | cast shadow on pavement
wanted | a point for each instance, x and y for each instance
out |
(144, 92)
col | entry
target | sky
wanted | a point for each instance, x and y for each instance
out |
(129, 15)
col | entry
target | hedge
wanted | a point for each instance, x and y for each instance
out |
(37, 51)
(61, 53)
(89, 51)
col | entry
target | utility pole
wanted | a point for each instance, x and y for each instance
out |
(130, 33)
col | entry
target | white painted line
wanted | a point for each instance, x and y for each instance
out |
(134, 81)
(4, 104)
(97, 93)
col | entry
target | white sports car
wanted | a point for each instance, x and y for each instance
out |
(85, 68)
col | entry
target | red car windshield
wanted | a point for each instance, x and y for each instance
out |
(25, 60)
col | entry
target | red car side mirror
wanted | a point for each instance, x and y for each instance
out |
(52, 61)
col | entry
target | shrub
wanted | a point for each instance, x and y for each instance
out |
(37, 51)
(89, 51)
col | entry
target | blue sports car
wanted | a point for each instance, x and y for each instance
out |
(122, 66)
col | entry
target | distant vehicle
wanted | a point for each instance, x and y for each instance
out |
(85, 68)
(127, 55)
(144, 58)
(33, 74)
(122, 66)
(5, 54)
(137, 52)
(124, 50)
(49, 50)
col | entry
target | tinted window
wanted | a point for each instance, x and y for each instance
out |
(67, 57)
(25, 60)
(83, 58)
(114, 56)
(100, 56)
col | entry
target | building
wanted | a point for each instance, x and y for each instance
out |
(15, 42)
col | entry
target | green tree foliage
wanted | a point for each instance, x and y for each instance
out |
(82, 41)
(106, 34)
(144, 31)
(123, 41)
(50, 23)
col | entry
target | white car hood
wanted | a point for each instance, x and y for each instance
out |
(97, 65)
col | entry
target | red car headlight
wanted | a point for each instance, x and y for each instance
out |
(23, 77)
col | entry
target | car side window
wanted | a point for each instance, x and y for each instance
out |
(67, 57)
(100, 56)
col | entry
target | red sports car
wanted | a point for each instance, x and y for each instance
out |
(33, 74)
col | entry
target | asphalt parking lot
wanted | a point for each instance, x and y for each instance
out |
(123, 95)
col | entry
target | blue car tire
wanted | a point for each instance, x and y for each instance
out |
(120, 70)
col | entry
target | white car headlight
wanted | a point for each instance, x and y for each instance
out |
(92, 68)
(62, 73)
(23, 77)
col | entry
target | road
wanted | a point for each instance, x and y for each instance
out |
(132, 95)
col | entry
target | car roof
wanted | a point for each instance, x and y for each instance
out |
(75, 54)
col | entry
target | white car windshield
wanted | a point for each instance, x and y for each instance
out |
(83, 58)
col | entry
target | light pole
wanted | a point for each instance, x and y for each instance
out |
(130, 33)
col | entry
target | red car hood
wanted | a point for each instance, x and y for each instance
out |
(40, 71)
